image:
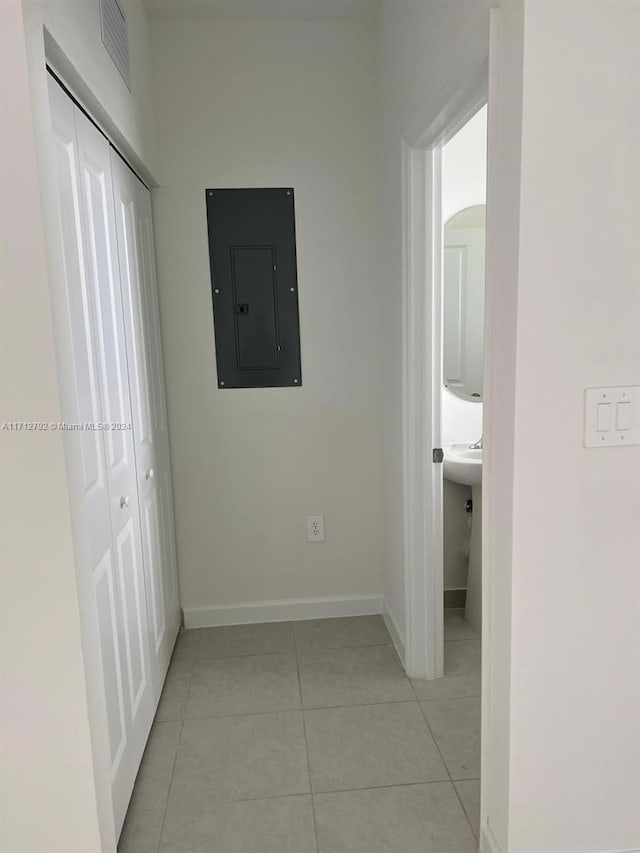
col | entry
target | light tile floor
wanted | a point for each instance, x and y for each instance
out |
(307, 737)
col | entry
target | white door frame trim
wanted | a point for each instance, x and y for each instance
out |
(422, 482)
(421, 364)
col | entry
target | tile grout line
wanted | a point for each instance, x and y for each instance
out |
(446, 766)
(175, 757)
(462, 639)
(450, 698)
(288, 651)
(306, 745)
(311, 794)
(464, 808)
(294, 652)
(302, 708)
(280, 653)
(297, 651)
(323, 649)
(166, 805)
(358, 704)
(193, 668)
(382, 787)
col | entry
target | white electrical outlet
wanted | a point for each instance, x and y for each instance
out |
(315, 528)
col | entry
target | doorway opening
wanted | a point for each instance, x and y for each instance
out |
(464, 181)
(444, 185)
(423, 389)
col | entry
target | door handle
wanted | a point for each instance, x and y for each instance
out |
(148, 474)
(124, 501)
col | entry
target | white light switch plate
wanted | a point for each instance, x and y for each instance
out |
(612, 416)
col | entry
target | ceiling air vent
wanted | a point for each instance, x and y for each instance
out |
(115, 37)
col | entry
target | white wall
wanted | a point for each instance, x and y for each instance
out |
(578, 260)
(75, 28)
(273, 104)
(52, 798)
(571, 513)
(47, 771)
(464, 167)
(421, 48)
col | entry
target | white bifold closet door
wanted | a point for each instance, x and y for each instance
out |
(118, 381)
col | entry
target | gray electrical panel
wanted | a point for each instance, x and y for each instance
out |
(254, 284)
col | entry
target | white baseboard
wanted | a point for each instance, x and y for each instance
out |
(392, 627)
(285, 610)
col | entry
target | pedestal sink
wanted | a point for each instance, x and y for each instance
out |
(463, 464)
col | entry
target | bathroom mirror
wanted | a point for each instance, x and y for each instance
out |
(463, 301)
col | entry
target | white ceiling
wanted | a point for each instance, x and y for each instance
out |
(264, 10)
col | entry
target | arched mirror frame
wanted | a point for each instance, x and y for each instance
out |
(463, 302)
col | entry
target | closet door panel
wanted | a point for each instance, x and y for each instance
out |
(125, 198)
(104, 278)
(149, 416)
(98, 238)
(88, 409)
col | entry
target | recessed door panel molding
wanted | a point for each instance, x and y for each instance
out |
(99, 243)
(152, 313)
(151, 532)
(168, 542)
(132, 601)
(109, 630)
(254, 284)
(129, 271)
(85, 367)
